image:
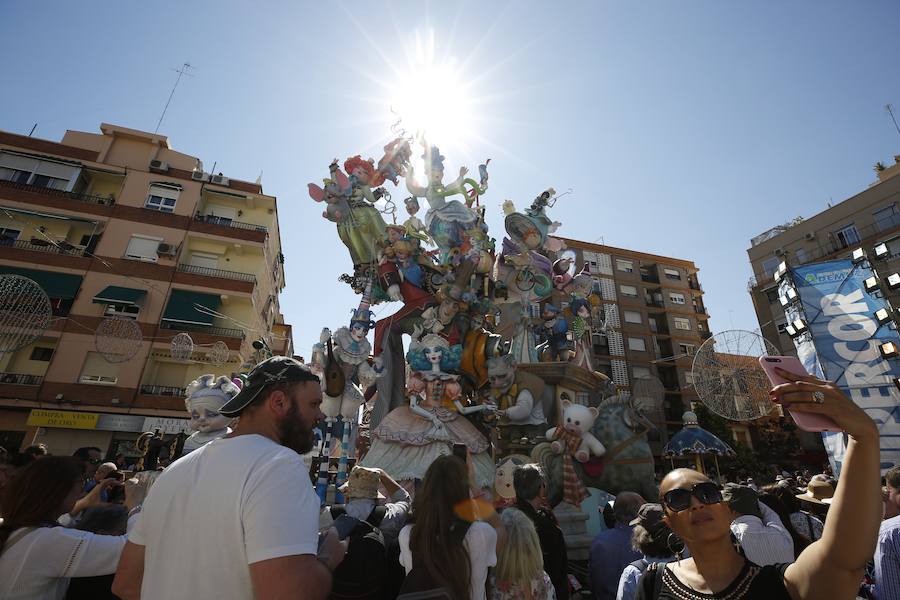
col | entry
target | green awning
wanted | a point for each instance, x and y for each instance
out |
(114, 294)
(59, 286)
(181, 307)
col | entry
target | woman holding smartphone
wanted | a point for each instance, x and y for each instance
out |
(832, 567)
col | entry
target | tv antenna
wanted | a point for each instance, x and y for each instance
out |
(182, 71)
(890, 110)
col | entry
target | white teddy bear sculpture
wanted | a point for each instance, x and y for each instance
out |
(576, 421)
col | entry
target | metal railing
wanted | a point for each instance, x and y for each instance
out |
(162, 390)
(208, 272)
(44, 246)
(210, 329)
(866, 237)
(21, 379)
(654, 303)
(79, 196)
(700, 310)
(226, 222)
(695, 285)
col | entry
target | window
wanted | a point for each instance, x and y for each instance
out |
(98, 370)
(628, 290)
(42, 354)
(770, 265)
(676, 298)
(688, 349)
(38, 172)
(122, 310)
(781, 328)
(625, 265)
(143, 248)
(800, 255)
(162, 197)
(202, 259)
(632, 316)
(8, 235)
(887, 217)
(641, 372)
(54, 183)
(637, 344)
(683, 324)
(772, 295)
(672, 274)
(847, 236)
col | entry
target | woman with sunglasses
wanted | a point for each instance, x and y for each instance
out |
(830, 568)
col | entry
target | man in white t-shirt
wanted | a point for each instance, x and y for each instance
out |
(238, 518)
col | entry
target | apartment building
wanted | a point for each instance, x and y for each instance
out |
(656, 322)
(118, 224)
(865, 220)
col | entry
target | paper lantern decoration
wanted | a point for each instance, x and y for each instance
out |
(182, 346)
(118, 339)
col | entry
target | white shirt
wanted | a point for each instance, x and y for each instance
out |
(526, 411)
(481, 545)
(221, 508)
(764, 541)
(38, 566)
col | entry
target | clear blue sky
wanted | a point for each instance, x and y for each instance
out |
(683, 128)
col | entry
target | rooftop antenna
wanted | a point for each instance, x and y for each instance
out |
(890, 110)
(181, 71)
(30, 133)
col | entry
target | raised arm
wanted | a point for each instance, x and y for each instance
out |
(833, 566)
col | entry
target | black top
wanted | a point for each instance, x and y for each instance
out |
(553, 547)
(752, 583)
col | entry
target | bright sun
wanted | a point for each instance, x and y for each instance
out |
(430, 97)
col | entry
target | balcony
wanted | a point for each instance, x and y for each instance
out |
(77, 196)
(653, 302)
(705, 335)
(225, 222)
(21, 379)
(162, 390)
(695, 285)
(207, 329)
(39, 245)
(208, 272)
(700, 310)
(214, 225)
(649, 277)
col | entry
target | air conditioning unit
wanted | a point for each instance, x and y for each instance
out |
(166, 249)
(159, 165)
(810, 236)
(219, 180)
(779, 251)
(197, 175)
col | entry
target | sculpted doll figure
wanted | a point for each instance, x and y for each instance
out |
(205, 396)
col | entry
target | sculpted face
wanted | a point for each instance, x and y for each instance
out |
(434, 355)
(205, 415)
(501, 375)
(448, 310)
(358, 332)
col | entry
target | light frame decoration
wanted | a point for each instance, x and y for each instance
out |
(858, 255)
(883, 315)
(893, 281)
(881, 251)
(889, 350)
(871, 284)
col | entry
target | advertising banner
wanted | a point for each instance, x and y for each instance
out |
(843, 343)
(62, 418)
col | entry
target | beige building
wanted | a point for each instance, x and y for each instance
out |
(864, 220)
(656, 322)
(118, 224)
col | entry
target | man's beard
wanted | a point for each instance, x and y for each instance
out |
(293, 433)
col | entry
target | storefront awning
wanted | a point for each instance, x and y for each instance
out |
(114, 294)
(181, 307)
(59, 286)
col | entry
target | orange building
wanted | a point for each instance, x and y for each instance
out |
(118, 224)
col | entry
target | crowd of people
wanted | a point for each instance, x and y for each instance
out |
(238, 518)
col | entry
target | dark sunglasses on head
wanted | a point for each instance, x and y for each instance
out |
(679, 499)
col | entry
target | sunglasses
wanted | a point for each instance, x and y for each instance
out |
(679, 499)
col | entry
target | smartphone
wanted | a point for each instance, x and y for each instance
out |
(345, 524)
(804, 420)
(461, 451)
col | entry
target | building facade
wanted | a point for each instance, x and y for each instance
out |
(656, 321)
(118, 224)
(861, 221)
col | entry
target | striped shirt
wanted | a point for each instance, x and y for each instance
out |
(764, 541)
(887, 560)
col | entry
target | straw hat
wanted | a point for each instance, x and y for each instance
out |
(818, 492)
(363, 483)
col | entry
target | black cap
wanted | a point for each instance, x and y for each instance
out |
(742, 498)
(278, 369)
(649, 516)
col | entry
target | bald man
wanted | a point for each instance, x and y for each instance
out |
(611, 550)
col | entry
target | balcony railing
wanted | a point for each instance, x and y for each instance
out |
(226, 222)
(695, 285)
(211, 330)
(162, 390)
(206, 271)
(44, 246)
(867, 236)
(654, 303)
(79, 196)
(21, 379)
(700, 310)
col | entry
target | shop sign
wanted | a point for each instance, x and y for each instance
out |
(167, 425)
(63, 419)
(113, 422)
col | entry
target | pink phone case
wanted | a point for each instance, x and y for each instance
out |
(804, 420)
